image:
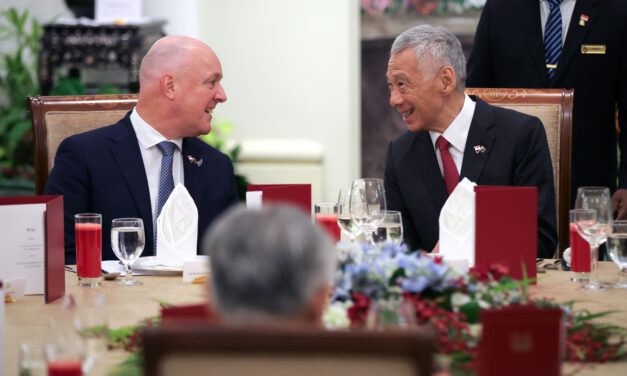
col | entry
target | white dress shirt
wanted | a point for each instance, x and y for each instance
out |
(456, 134)
(148, 138)
(566, 9)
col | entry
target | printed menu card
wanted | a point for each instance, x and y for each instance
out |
(31, 228)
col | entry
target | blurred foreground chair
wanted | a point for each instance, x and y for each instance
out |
(56, 117)
(554, 107)
(274, 351)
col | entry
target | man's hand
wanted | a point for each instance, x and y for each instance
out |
(436, 249)
(619, 202)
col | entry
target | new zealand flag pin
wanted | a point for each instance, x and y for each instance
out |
(194, 161)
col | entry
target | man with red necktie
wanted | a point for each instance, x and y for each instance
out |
(451, 136)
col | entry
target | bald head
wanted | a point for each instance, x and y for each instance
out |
(170, 55)
(179, 87)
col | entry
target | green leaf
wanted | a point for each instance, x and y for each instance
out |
(471, 310)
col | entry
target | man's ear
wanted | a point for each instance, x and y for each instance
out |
(167, 85)
(447, 79)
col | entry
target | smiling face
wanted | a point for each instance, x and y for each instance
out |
(414, 92)
(200, 91)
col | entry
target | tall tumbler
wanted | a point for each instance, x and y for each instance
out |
(88, 235)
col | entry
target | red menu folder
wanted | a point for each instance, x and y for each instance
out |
(298, 195)
(506, 228)
(54, 258)
(521, 340)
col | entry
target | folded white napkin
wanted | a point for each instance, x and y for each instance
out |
(457, 224)
(177, 229)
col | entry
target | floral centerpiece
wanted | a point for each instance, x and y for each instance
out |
(451, 302)
(440, 296)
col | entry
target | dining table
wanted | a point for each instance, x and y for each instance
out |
(29, 318)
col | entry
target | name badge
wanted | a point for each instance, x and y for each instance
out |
(593, 49)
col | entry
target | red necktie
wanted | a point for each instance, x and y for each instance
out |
(451, 176)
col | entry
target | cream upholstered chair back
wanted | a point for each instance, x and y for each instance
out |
(56, 117)
(280, 351)
(554, 107)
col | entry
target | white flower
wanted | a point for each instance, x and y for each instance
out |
(342, 253)
(483, 304)
(335, 316)
(458, 299)
(355, 253)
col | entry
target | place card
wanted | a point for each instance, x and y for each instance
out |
(521, 340)
(506, 228)
(14, 288)
(33, 246)
(193, 269)
(297, 195)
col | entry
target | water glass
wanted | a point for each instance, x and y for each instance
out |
(390, 229)
(344, 214)
(90, 321)
(579, 252)
(64, 348)
(32, 361)
(617, 247)
(367, 205)
(594, 228)
(88, 235)
(325, 215)
(127, 241)
(390, 314)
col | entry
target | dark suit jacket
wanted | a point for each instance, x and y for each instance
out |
(508, 52)
(102, 171)
(517, 154)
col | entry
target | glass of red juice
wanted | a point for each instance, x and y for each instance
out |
(325, 215)
(579, 252)
(88, 235)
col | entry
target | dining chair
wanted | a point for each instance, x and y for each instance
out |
(56, 117)
(554, 107)
(279, 351)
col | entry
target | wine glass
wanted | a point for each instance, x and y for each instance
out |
(127, 241)
(344, 214)
(390, 230)
(617, 247)
(594, 228)
(367, 205)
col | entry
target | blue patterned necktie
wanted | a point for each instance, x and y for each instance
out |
(553, 37)
(166, 181)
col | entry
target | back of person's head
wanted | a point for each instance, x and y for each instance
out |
(267, 265)
(435, 47)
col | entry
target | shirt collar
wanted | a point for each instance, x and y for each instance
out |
(147, 136)
(457, 132)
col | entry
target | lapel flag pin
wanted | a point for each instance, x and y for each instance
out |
(583, 19)
(194, 161)
(479, 149)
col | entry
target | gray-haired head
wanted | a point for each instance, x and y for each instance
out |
(267, 264)
(435, 47)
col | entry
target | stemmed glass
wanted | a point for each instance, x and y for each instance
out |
(127, 241)
(617, 247)
(390, 229)
(594, 225)
(367, 205)
(344, 214)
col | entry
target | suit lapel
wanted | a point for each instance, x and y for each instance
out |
(532, 28)
(428, 170)
(474, 162)
(575, 34)
(125, 151)
(193, 169)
